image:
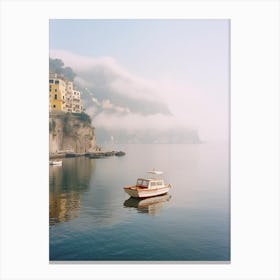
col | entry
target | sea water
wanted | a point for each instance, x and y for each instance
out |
(93, 219)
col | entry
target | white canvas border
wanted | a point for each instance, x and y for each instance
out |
(254, 138)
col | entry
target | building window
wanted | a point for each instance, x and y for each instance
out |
(55, 96)
(55, 90)
(51, 81)
(56, 82)
(54, 106)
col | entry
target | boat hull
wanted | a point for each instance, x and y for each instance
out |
(56, 162)
(145, 192)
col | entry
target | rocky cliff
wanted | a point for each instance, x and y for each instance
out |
(71, 132)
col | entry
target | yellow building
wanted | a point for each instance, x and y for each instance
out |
(63, 96)
(57, 93)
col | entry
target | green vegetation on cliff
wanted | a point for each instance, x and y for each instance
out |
(75, 120)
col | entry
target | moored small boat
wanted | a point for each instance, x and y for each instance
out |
(148, 187)
(56, 162)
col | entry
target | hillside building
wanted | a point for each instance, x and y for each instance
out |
(57, 93)
(63, 96)
(76, 102)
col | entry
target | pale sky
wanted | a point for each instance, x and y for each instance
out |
(186, 61)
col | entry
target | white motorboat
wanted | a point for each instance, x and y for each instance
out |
(56, 162)
(149, 187)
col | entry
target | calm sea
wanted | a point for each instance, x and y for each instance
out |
(92, 219)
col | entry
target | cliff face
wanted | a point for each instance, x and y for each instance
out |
(71, 132)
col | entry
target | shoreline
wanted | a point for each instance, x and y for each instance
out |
(94, 154)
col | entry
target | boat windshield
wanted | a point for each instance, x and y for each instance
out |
(142, 183)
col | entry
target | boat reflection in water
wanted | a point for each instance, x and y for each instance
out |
(151, 205)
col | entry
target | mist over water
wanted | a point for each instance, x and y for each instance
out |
(91, 218)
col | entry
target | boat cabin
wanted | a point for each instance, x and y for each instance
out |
(149, 183)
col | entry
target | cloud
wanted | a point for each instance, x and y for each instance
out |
(106, 104)
(108, 80)
(121, 99)
(135, 122)
(94, 100)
